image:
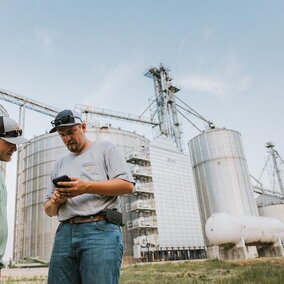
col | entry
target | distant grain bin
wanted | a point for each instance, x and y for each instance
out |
(271, 206)
(34, 230)
(221, 174)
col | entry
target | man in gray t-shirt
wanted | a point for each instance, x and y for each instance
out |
(88, 242)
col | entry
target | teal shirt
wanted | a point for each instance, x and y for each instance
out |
(3, 219)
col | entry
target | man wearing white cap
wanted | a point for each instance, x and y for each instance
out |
(10, 135)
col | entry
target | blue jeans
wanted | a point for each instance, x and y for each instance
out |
(87, 253)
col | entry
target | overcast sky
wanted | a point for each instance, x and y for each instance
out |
(225, 56)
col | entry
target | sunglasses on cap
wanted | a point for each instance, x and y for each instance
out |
(13, 133)
(64, 120)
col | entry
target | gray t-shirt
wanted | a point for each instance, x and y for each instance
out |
(101, 161)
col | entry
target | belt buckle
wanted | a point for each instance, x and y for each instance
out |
(72, 221)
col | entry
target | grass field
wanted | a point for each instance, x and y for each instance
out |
(260, 271)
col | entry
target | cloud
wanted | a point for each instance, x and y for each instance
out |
(43, 39)
(201, 83)
(46, 38)
(224, 77)
(121, 92)
(207, 33)
(182, 44)
(204, 34)
(214, 85)
(113, 84)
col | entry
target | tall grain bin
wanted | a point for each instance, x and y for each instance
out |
(34, 230)
(271, 206)
(221, 174)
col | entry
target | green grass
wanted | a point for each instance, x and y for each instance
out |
(260, 271)
(209, 271)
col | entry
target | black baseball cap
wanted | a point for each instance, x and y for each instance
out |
(64, 118)
(10, 131)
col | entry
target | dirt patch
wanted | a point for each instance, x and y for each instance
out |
(23, 272)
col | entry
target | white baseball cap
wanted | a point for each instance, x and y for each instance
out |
(10, 131)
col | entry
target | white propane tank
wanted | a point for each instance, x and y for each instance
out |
(223, 228)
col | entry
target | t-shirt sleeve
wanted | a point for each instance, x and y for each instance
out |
(49, 190)
(50, 186)
(117, 166)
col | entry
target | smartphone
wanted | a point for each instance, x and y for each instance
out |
(61, 178)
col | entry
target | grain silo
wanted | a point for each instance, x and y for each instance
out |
(34, 230)
(221, 174)
(271, 206)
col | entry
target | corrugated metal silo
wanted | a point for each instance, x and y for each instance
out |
(221, 174)
(34, 230)
(271, 206)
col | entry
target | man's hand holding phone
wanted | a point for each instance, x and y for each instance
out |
(58, 196)
(64, 178)
(70, 189)
(73, 186)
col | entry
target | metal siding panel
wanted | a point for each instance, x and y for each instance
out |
(175, 194)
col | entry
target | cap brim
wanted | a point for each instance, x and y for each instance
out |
(54, 129)
(15, 140)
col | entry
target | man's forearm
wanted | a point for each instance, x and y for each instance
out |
(50, 208)
(114, 187)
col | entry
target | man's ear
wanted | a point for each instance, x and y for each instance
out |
(84, 127)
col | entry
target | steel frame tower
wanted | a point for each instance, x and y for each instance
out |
(165, 106)
(274, 156)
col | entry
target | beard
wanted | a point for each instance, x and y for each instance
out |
(73, 147)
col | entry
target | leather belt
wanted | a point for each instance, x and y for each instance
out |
(85, 219)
